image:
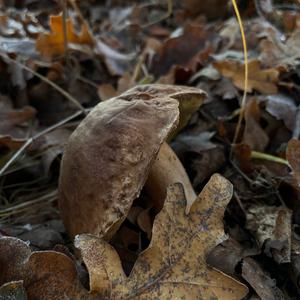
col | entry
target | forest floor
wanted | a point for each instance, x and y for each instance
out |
(59, 59)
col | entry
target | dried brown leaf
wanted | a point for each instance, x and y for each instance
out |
(254, 134)
(262, 80)
(282, 107)
(46, 274)
(52, 44)
(188, 49)
(173, 266)
(271, 227)
(261, 282)
(13, 129)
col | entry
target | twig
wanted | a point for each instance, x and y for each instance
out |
(167, 15)
(65, 17)
(35, 137)
(76, 8)
(45, 79)
(238, 200)
(87, 81)
(266, 10)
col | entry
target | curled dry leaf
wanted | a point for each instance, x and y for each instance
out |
(275, 52)
(271, 227)
(227, 255)
(261, 80)
(173, 266)
(188, 50)
(46, 275)
(52, 44)
(282, 107)
(261, 282)
(109, 156)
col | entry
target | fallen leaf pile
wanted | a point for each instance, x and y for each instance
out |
(115, 116)
(264, 81)
(173, 266)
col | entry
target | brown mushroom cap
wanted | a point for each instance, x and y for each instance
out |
(107, 160)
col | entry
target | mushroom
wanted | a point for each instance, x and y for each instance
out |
(117, 149)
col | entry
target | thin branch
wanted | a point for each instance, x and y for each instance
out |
(45, 79)
(266, 10)
(35, 137)
(77, 10)
(165, 16)
(65, 17)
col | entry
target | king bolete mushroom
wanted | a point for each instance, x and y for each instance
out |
(115, 149)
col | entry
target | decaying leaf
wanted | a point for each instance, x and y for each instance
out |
(261, 282)
(261, 80)
(13, 129)
(293, 157)
(188, 49)
(282, 107)
(254, 135)
(173, 266)
(229, 254)
(272, 228)
(46, 275)
(52, 44)
(276, 52)
(207, 8)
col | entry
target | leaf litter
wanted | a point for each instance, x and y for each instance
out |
(94, 52)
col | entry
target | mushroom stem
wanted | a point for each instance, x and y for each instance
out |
(166, 170)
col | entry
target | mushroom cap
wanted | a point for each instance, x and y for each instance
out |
(163, 90)
(107, 159)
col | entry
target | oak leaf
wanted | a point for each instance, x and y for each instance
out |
(261, 80)
(173, 266)
(52, 44)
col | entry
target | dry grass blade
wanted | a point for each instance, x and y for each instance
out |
(241, 115)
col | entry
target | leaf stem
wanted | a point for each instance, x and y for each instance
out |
(269, 157)
(35, 137)
(45, 79)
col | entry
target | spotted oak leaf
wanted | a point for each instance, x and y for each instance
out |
(173, 266)
(261, 80)
(52, 43)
